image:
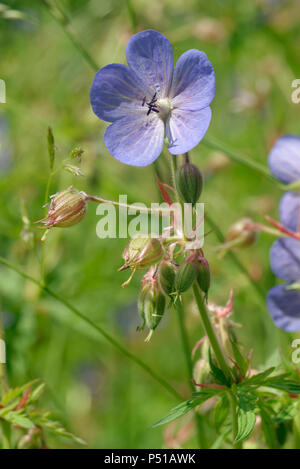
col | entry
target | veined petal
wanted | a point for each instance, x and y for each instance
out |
(116, 92)
(186, 128)
(284, 159)
(136, 139)
(284, 307)
(193, 85)
(289, 210)
(285, 259)
(150, 55)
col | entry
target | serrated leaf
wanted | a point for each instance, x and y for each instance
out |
(258, 379)
(246, 422)
(181, 410)
(12, 394)
(16, 419)
(246, 400)
(289, 386)
(36, 393)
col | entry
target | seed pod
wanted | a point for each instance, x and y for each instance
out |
(166, 277)
(185, 277)
(67, 208)
(152, 302)
(189, 182)
(203, 275)
(142, 252)
(241, 234)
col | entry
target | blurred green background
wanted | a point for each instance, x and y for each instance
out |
(254, 47)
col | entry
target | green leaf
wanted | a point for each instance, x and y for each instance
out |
(259, 379)
(16, 392)
(51, 148)
(181, 410)
(278, 382)
(18, 419)
(246, 400)
(221, 411)
(268, 428)
(217, 372)
(246, 422)
(242, 362)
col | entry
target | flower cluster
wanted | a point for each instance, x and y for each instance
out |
(283, 300)
(149, 99)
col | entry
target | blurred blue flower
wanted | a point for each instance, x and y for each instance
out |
(283, 301)
(148, 99)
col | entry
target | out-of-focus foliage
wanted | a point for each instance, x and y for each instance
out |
(254, 47)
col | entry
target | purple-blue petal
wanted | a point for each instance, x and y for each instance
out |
(150, 55)
(289, 210)
(116, 92)
(284, 307)
(136, 139)
(186, 128)
(285, 259)
(193, 85)
(284, 159)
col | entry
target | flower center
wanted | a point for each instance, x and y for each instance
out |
(162, 106)
(165, 107)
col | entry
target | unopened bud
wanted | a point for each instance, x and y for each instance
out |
(203, 275)
(142, 252)
(201, 372)
(241, 234)
(67, 208)
(189, 182)
(166, 277)
(185, 277)
(152, 303)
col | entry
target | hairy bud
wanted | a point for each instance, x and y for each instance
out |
(186, 275)
(241, 234)
(166, 277)
(203, 275)
(152, 302)
(142, 252)
(67, 208)
(189, 182)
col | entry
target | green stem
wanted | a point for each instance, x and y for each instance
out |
(62, 19)
(3, 381)
(263, 170)
(211, 333)
(132, 15)
(97, 328)
(6, 434)
(189, 365)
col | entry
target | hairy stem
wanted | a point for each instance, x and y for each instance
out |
(211, 333)
(97, 328)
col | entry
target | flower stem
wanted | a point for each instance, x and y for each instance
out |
(100, 200)
(97, 328)
(62, 19)
(263, 170)
(211, 333)
(189, 365)
(236, 445)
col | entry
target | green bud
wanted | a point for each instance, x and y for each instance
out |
(152, 302)
(203, 275)
(67, 208)
(201, 372)
(142, 252)
(166, 277)
(189, 182)
(185, 277)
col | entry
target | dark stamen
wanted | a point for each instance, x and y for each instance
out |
(151, 104)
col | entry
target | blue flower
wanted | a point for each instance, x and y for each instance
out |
(148, 99)
(283, 301)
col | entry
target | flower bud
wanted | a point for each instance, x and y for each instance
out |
(189, 182)
(201, 372)
(142, 252)
(152, 303)
(67, 208)
(241, 234)
(166, 277)
(185, 277)
(203, 275)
